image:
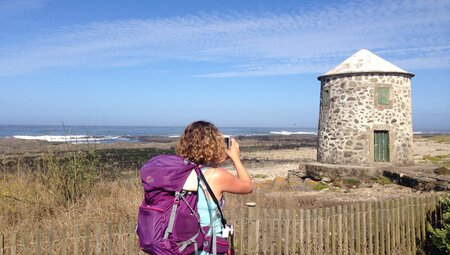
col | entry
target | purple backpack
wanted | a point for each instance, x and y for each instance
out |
(168, 220)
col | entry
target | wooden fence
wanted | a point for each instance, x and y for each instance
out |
(384, 227)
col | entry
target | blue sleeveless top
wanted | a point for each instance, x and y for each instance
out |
(207, 209)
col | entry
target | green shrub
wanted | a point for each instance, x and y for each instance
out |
(383, 180)
(440, 236)
(70, 175)
(320, 186)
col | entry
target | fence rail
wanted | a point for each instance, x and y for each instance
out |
(382, 227)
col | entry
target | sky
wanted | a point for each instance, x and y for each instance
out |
(240, 63)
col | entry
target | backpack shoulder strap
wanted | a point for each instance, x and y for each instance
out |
(211, 193)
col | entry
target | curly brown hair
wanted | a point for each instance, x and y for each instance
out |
(202, 143)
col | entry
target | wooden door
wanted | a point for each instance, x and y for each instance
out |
(381, 148)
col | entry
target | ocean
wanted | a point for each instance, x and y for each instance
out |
(111, 134)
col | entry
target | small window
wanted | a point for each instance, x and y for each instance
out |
(325, 98)
(383, 96)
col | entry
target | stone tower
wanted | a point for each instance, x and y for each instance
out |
(365, 113)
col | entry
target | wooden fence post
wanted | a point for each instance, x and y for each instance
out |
(37, 246)
(27, 242)
(351, 227)
(286, 231)
(339, 230)
(272, 231)
(346, 218)
(358, 228)
(279, 242)
(413, 227)
(388, 223)
(265, 220)
(63, 249)
(2, 244)
(241, 226)
(301, 227)
(251, 229)
(110, 238)
(76, 236)
(364, 227)
(294, 231)
(308, 231)
(51, 240)
(13, 244)
(132, 238)
(87, 240)
(327, 221)
(370, 227)
(98, 240)
(377, 223)
(320, 232)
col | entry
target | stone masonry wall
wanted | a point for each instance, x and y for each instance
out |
(347, 122)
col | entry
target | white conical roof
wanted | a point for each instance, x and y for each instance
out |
(365, 61)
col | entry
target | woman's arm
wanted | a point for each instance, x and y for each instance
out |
(224, 181)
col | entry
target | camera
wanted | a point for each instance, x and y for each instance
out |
(228, 231)
(227, 140)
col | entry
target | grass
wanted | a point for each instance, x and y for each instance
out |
(320, 186)
(441, 138)
(383, 180)
(442, 160)
(351, 182)
(260, 176)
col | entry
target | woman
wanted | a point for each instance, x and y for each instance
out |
(203, 144)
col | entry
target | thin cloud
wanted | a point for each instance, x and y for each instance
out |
(411, 33)
(13, 7)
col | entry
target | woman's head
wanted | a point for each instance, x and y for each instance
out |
(202, 143)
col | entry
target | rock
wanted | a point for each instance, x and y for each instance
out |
(279, 182)
(365, 185)
(326, 179)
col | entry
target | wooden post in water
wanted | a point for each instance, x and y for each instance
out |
(251, 229)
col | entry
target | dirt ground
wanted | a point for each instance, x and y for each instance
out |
(266, 158)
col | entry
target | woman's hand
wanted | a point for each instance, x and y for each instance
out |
(234, 153)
